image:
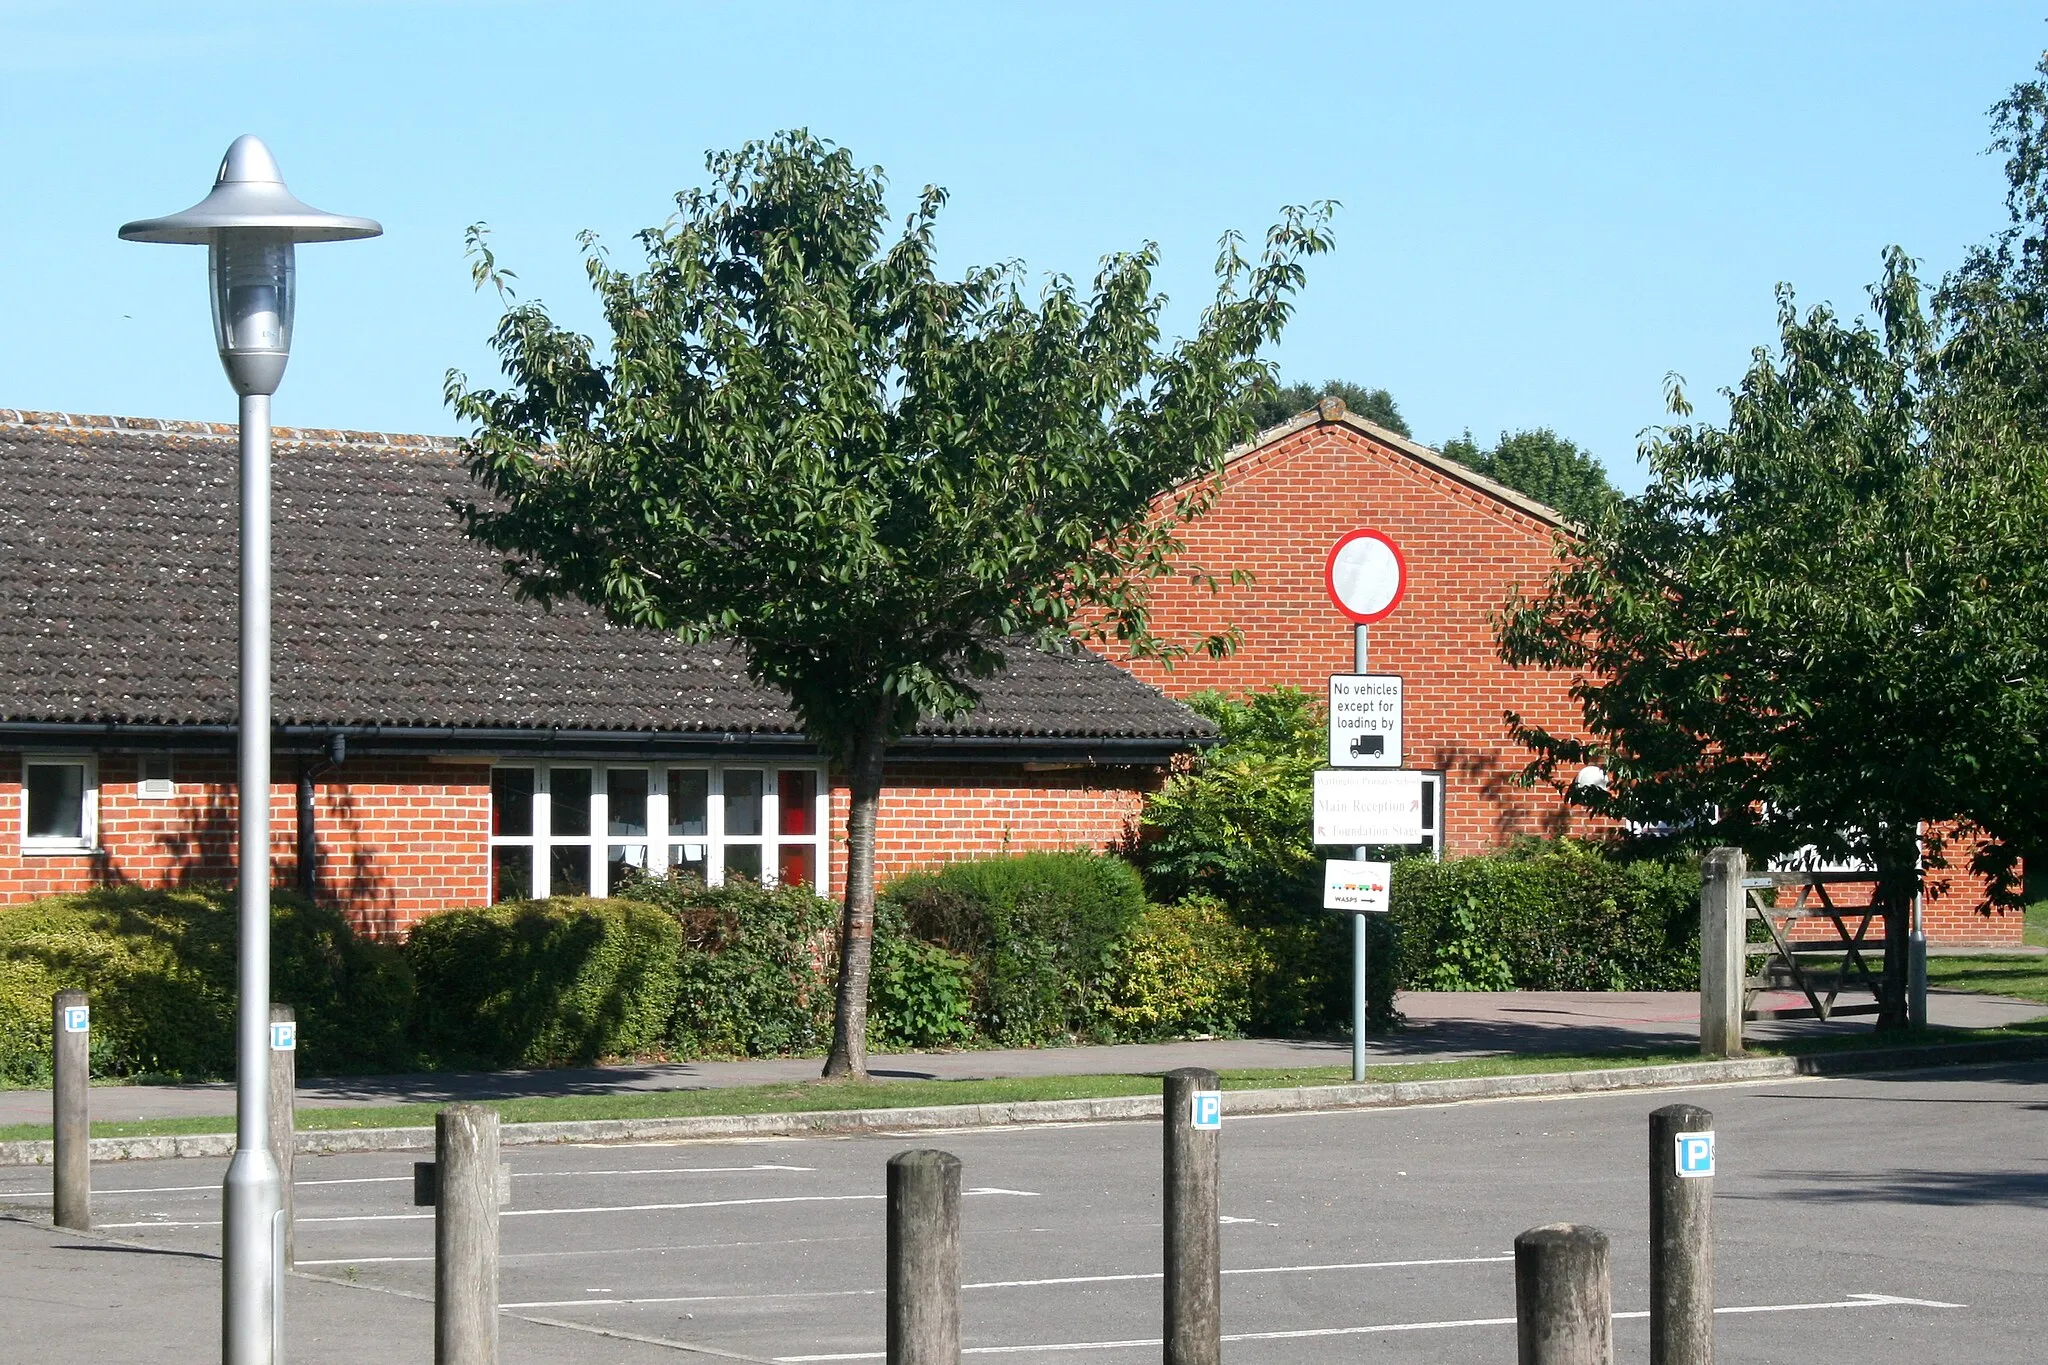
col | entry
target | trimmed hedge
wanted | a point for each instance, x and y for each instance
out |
(544, 983)
(1038, 929)
(1548, 916)
(160, 967)
(756, 968)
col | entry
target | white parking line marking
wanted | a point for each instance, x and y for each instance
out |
(541, 1213)
(545, 1213)
(516, 1175)
(1853, 1301)
(1001, 1284)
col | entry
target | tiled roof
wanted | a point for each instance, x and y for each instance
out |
(117, 556)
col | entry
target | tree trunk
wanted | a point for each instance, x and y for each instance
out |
(1898, 882)
(849, 1056)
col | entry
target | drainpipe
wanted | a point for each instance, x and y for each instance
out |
(309, 836)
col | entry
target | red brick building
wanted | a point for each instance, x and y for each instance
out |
(486, 748)
(1468, 541)
(438, 742)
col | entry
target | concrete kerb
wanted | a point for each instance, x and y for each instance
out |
(1240, 1103)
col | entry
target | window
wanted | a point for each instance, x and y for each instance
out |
(154, 778)
(573, 829)
(59, 805)
(1433, 814)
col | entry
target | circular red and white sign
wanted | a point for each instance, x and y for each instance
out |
(1366, 576)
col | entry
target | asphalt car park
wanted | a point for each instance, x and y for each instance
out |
(1885, 1218)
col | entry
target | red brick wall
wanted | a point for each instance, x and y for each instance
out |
(404, 838)
(1282, 508)
(1286, 504)
(935, 814)
(399, 838)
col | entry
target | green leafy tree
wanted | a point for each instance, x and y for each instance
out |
(1544, 465)
(1824, 623)
(801, 438)
(1276, 405)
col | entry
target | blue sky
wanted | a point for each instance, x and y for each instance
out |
(1545, 208)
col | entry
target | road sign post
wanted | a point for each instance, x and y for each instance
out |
(1366, 577)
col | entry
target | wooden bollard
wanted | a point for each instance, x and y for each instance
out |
(284, 1090)
(70, 1109)
(466, 1201)
(1681, 1236)
(1194, 1238)
(1563, 1300)
(924, 1259)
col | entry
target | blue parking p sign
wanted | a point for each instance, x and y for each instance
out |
(77, 1018)
(1208, 1111)
(1695, 1154)
(284, 1037)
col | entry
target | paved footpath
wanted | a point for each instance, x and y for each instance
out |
(1883, 1219)
(1442, 1026)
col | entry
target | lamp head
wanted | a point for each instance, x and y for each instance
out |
(249, 223)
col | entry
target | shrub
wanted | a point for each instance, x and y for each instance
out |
(542, 983)
(755, 969)
(1182, 969)
(1037, 927)
(920, 995)
(1559, 916)
(160, 968)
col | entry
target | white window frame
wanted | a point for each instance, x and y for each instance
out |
(656, 842)
(1433, 785)
(89, 807)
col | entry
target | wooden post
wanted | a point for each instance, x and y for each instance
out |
(1724, 962)
(466, 1199)
(1194, 1238)
(284, 1089)
(924, 1259)
(1681, 1236)
(70, 1108)
(1563, 1300)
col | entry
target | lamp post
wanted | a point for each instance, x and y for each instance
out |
(248, 226)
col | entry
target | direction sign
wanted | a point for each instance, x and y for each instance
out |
(1365, 720)
(1368, 807)
(1357, 888)
(1366, 576)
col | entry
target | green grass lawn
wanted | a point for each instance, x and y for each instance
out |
(2036, 931)
(825, 1096)
(2023, 977)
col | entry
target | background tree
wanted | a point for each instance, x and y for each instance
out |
(1276, 405)
(1544, 465)
(802, 439)
(1823, 623)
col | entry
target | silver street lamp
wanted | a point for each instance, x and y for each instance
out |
(248, 226)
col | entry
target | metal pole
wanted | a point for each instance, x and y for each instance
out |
(1724, 961)
(1916, 965)
(1563, 1298)
(284, 1085)
(1194, 1238)
(252, 1225)
(1361, 660)
(1681, 1236)
(466, 1200)
(924, 1259)
(70, 1117)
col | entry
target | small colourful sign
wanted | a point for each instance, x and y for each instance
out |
(1353, 887)
(284, 1037)
(1208, 1109)
(77, 1018)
